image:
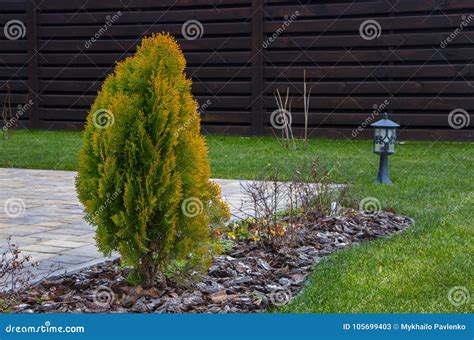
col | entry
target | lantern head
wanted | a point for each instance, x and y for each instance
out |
(385, 136)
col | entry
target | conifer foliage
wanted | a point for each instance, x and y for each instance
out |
(144, 169)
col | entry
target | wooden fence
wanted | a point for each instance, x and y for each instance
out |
(411, 58)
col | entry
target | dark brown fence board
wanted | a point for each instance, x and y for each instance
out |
(257, 66)
(464, 53)
(431, 88)
(31, 34)
(367, 8)
(73, 5)
(148, 17)
(420, 22)
(119, 31)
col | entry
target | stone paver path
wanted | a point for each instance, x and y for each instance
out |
(40, 210)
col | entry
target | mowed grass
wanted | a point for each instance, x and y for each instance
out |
(58, 150)
(410, 272)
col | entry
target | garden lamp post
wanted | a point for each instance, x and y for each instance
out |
(384, 145)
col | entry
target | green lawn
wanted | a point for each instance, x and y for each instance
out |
(412, 272)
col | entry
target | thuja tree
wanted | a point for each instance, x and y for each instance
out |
(144, 170)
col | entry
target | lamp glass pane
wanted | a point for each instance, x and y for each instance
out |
(384, 140)
(378, 140)
(390, 140)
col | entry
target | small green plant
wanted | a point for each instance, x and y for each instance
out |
(143, 179)
(226, 246)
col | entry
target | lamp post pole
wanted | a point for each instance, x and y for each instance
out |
(383, 176)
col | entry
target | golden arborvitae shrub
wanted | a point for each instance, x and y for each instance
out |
(144, 170)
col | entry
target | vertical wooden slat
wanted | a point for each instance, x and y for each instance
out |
(257, 67)
(31, 34)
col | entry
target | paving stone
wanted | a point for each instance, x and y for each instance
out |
(23, 230)
(63, 262)
(68, 231)
(88, 238)
(64, 243)
(50, 266)
(57, 236)
(21, 240)
(42, 248)
(89, 250)
(51, 224)
(37, 257)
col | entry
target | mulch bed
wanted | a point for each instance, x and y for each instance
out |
(249, 279)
